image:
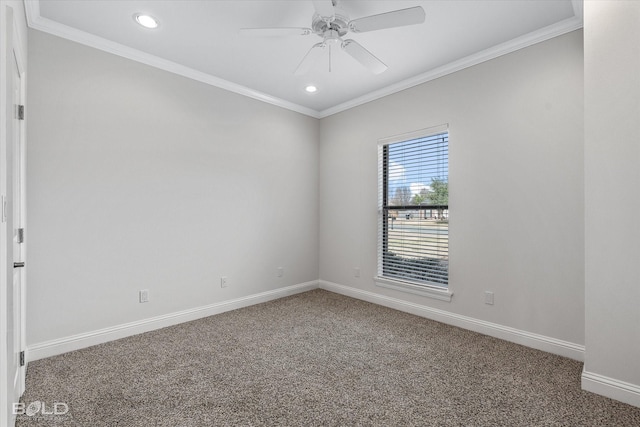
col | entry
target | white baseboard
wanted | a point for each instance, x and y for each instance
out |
(595, 383)
(539, 342)
(611, 388)
(76, 342)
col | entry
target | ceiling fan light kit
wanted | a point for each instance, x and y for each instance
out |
(331, 23)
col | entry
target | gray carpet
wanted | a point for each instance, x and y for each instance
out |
(316, 358)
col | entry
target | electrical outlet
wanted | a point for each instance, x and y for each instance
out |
(224, 282)
(280, 271)
(356, 272)
(488, 298)
(144, 295)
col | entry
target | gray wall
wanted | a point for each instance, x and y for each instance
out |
(141, 179)
(516, 187)
(612, 188)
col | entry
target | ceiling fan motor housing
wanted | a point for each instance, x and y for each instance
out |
(339, 23)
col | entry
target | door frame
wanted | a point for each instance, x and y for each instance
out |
(23, 200)
(11, 54)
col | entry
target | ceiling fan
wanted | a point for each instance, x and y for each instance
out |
(331, 23)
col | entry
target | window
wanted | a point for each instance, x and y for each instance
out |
(413, 235)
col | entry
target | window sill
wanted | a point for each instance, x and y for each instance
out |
(423, 290)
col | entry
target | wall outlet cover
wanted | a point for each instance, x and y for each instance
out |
(488, 297)
(144, 295)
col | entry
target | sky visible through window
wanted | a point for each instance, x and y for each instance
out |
(414, 166)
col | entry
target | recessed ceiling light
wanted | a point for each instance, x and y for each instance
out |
(146, 20)
(311, 89)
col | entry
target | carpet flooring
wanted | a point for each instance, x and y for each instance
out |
(313, 359)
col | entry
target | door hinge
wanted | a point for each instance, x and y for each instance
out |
(20, 112)
(20, 235)
(22, 358)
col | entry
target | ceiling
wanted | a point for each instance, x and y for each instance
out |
(202, 40)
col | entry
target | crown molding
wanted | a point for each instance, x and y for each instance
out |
(543, 34)
(37, 22)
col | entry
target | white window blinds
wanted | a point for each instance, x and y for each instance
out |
(414, 209)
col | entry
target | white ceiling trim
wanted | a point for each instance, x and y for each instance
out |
(546, 33)
(37, 22)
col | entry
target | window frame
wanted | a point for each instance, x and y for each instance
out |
(419, 288)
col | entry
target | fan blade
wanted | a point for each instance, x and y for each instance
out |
(275, 32)
(324, 8)
(363, 56)
(310, 59)
(398, 18)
